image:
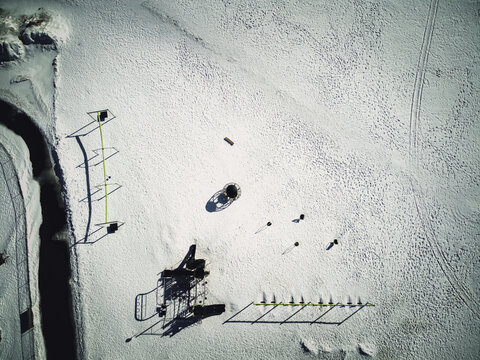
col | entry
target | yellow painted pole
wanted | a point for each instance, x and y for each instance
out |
(104, 169)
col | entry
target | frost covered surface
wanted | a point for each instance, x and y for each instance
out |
(361, 115)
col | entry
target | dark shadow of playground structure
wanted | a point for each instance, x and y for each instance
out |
(54, 264)
(247, 316)
(218, 202)
(178, 299)
(224, 197)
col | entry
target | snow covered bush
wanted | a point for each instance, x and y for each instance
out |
(16, 32)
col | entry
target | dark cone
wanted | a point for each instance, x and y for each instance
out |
(112, 228)
(103, 115)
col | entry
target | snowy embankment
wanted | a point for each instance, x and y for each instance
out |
(29, 38)
(19, 241)
(359, 115)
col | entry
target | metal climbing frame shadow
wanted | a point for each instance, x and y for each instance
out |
(176, 294)
(250, 316)
(92, 125)
(179, 294)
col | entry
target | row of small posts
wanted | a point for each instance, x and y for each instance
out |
(349, 304)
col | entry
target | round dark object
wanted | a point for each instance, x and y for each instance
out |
(269, 223)
(297, 243)
(335, 241)
(231, 191)
(302, 216)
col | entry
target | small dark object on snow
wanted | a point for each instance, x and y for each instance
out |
(335, 241)
(112, 228)
(103, 115)
(302, 216)
(229, 141)
(296, 243)
(269, 223)
(232, 191)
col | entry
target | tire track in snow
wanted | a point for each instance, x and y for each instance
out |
(461, 291)
(420, 80)
(465, 220)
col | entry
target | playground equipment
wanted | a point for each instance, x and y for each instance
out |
(312, 304)
(232, 191)
(104, 116)
(178, 299)
(298, 312)
(180, 294)
(184, 290)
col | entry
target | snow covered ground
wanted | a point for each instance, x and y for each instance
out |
(361, 115)
(20, 221)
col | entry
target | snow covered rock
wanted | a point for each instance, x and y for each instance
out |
(36, 35)
(16, 32)
(9, 24)
(11, 50)
(35, 29)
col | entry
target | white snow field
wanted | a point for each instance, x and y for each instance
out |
(362, 115)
